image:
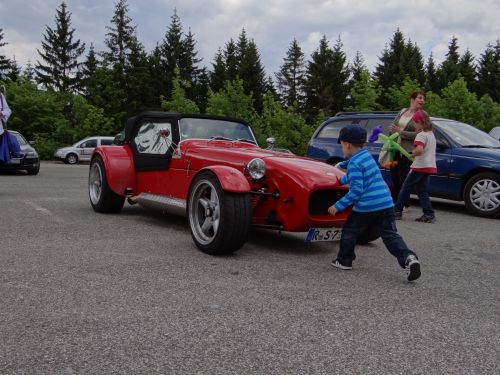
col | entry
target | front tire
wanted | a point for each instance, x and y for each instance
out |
(102, 198)
(34, 169)
(482, 195)
(219, 221)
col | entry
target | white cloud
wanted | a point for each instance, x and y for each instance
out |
(364, 26)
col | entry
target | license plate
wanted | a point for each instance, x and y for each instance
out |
(15, 161)
(323, 234)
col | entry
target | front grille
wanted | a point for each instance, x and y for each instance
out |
(320, 200)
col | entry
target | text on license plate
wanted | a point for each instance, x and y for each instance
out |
(15, 161)
(323, 234)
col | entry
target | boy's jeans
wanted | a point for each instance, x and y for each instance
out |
(356, 224)
(420, 181)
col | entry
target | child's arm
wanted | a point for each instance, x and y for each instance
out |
(419, 150)
(419, 145)
(356, 186)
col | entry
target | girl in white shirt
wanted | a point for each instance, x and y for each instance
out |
(422, 167)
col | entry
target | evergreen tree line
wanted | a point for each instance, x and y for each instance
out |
(68, 94)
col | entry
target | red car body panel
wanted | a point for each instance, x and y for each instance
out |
(282, 199)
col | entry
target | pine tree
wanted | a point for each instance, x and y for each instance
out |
(431, 81)
(327, 83)
(341, 72)
(158, 82)
(231, 61)
(88, 69)
(14, 70)
(218, 73)
(290, 78)
(467, 69)
(114, 86)
(60, 67)
(4, 62)
(318, 85)
(389, 72)
(171, 52)
(358, 66)
(188, 65)
(120, 37)
(412, 63)
(364, 92)
(29, 71)
(449, 70)
(489, 72)
(251, 70)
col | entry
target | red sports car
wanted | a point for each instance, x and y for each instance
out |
(211, 169)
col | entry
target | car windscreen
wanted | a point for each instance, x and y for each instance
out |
(203, 128)
(20, 138)
(466, 135)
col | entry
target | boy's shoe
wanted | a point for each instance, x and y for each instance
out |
(337, 264)
(398, 215)
(412, 267)
(426, 219)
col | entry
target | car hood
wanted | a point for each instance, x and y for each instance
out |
(305, 170)
(481, 153)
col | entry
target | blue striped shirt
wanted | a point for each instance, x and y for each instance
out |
(367, 188)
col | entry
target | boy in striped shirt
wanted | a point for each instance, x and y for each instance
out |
(373, 205)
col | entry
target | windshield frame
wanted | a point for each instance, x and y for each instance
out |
(468, 136)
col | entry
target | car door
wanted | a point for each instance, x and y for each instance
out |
(87, 148)
(152, 144)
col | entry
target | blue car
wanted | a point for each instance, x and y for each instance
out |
(468, 159)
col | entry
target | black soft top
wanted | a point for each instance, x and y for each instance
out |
(131, 122)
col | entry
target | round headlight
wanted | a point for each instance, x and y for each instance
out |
(256, 168)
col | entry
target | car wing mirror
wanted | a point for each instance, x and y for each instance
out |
(271, 142)
(441, 144)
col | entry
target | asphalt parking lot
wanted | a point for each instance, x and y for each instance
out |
(129, 293)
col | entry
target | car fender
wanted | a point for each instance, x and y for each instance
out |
(231, 179)
(119, 165)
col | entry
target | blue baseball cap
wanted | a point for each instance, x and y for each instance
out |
(352, 134)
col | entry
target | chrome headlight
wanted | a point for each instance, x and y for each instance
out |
(31, 154)
(256, 168)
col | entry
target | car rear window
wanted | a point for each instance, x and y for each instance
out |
(332, 129)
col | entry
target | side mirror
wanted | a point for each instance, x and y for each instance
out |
(441, 144)
(271, 141)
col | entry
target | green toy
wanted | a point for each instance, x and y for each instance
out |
(391, 146)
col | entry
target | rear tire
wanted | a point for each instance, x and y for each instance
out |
(482, 195)
(71, 159)
(219, 221)
(102, 198)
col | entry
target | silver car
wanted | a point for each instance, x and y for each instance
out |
(82, 150)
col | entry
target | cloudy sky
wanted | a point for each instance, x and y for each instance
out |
(364, 25)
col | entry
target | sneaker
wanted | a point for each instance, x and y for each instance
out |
(406, 209)
(412, 267)
(337, 264)
(426, 219)
(398, 215)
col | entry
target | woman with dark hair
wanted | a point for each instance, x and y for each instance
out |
(405, 126)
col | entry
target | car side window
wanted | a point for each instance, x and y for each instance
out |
(91, 143)
(384, 122)
(332, 129)
(106, 142)
(154, 138)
